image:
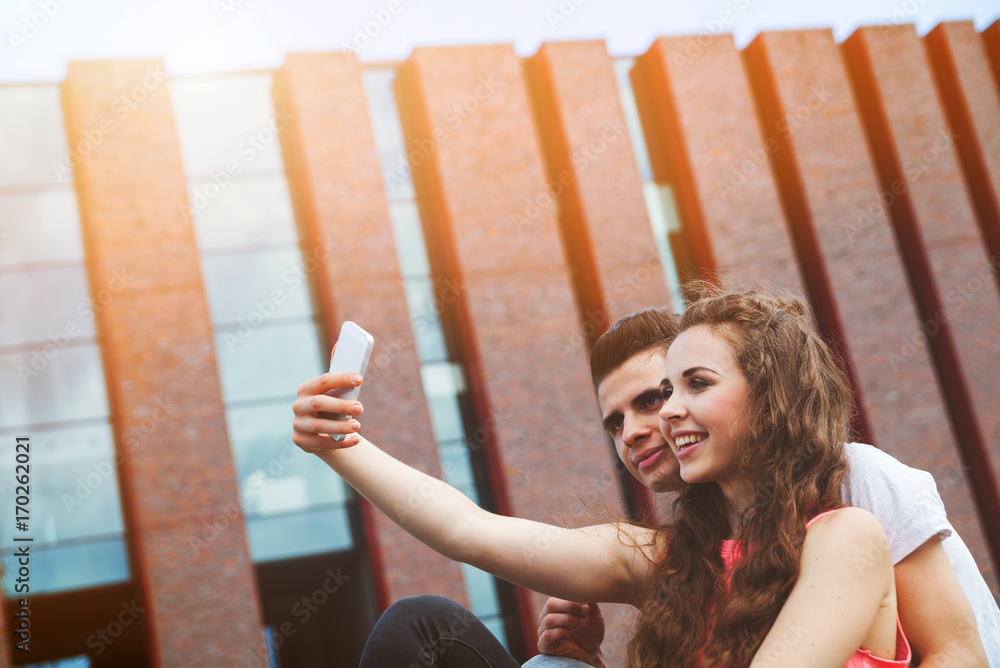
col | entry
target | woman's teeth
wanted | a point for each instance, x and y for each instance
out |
(688, 440)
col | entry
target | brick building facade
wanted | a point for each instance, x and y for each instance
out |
(485, 216)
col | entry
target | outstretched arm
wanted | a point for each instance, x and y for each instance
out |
(844, 590)
(592, 563)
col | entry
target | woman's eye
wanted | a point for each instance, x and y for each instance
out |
(697, 384)
(665, 393)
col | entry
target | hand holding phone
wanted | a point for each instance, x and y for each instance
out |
(351, 355)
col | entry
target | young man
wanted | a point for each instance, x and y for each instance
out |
(948, 612)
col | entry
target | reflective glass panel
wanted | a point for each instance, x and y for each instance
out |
(409, 237)
(48, 306)
(52, 385)
(623, 67)
(249, 211)
(270, 361)
(299, 534)
(73, 566)
(39, 226)
(265, 455)
(388, 132)
(227, 124)
(74, 486)
(32, 137)
(251, 289)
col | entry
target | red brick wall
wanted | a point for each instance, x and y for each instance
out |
(517, 308)
(829, 186)
(333, 166)
(969, 91)
(705, 141)
(156, 338)
(949, 269)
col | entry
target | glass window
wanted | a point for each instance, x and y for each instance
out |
(52, 385)
(249, 211)
(388, 132)
(74, 485)
(267, 362)
(299, 534)
(409, 238)
(265, 453)
(251, 289)
(227, 124)
(72, 566)
(49, 306)
(623, 68)
(32, 153)
(39, 227)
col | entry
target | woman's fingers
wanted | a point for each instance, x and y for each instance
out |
(328, 381)
(313, 443)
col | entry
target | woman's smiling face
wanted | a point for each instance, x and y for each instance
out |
(705, 395)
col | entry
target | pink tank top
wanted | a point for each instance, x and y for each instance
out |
(732, 551)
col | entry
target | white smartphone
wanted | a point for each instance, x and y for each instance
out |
(354, 349)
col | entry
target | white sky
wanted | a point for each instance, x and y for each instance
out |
(198, 36)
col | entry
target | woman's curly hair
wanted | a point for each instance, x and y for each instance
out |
(791, 435)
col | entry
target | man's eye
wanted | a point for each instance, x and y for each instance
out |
(653, 399)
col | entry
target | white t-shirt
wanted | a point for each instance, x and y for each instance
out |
(906, 502)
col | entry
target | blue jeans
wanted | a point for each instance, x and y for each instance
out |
(436, 632)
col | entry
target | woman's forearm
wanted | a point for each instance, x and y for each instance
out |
(432, 511)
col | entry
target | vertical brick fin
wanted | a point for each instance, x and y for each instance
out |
(424, 140)
(773, 118)
(969, 96)
(991, 38)
(337, 188)
(576, 100)
(892, 84)
(604, 223)
(156, 338)
(701, 98)
(672, 162)
(576, 237)
(837, 188)
(516, 319)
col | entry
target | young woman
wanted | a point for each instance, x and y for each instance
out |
(755, 568)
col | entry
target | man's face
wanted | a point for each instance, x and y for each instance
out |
(630, 403)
